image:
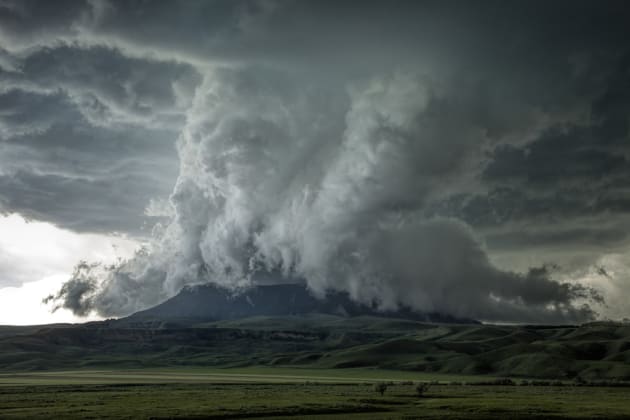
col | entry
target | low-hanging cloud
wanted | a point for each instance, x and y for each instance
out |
(329, 186)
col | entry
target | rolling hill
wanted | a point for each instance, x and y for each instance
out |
(592, 351)
(283, 325)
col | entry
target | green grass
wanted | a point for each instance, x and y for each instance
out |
(270, 393)
(217, 375)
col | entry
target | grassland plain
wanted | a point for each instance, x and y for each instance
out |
(219, 375)
(282, 392)
(325, 400)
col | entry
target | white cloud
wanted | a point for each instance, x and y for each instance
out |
(610, 274)
(23, 305)
(32, 250)
(36, 258)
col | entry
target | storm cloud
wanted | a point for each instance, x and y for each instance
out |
(421, 154)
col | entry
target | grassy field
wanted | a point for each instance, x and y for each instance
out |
(210, 375)
(305, 393)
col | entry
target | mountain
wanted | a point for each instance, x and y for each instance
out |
(213, 303)
(284, 325)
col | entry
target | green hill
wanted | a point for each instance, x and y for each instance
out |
(592, 351)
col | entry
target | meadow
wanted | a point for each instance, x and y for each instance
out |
(305, 393)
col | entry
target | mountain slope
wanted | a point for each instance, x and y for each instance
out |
(212, 303)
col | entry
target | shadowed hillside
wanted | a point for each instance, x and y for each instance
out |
(597, 350)
(209, 302)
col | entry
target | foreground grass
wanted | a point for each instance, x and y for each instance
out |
(269, 393)
(309, 400)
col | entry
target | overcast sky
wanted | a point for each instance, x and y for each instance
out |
(464, 157)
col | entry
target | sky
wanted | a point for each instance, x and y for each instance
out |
(470, 158)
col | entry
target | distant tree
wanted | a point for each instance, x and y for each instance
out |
(380, 387)
(579, 380)
(421, 389)
(501, 382)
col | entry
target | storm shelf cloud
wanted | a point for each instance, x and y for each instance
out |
(464, 158)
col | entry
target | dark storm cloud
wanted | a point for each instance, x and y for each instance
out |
(24, 112)
(28, 22)
(567, 186)
(312, 133)
(575, 237)
(88, 135)
(86, 178)
(80, 204)
(106, 85)
(594, 151)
